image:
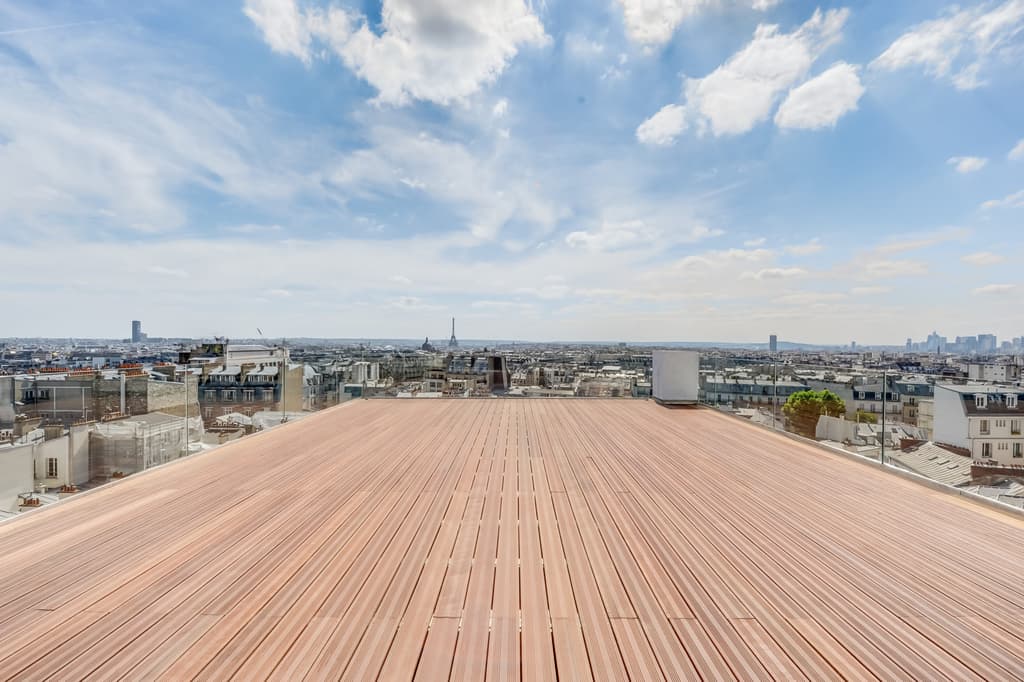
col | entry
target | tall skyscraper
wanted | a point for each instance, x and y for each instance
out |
(773, 343)
(136, 331)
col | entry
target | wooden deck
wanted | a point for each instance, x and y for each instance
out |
(508, 539)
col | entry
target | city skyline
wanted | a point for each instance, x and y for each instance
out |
(980, 343)
(333, 169)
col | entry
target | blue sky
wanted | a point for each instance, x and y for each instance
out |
(623, 169)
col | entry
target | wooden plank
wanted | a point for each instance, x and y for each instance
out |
(438, 650)
(640, 660)
(506, 539)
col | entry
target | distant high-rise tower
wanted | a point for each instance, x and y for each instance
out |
(136, 331)
(773, 343)
(453, 342)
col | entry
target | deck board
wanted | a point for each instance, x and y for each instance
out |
(508, 540)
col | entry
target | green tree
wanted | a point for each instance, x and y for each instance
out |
(804, 408)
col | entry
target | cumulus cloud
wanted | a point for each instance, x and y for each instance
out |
(967, 164)
(664, 127)
(1017, 153)
(744, 90)
(652, 22)
(440, 51)
(983, 258)
(823, 100)
(1015, 200)
(959, 45)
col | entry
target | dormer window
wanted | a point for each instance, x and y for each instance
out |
(981, 401)
(1011, 401)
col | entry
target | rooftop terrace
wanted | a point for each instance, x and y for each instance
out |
(513, 539)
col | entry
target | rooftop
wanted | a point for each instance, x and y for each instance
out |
(532, 538)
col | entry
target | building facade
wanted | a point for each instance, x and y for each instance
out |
(985, 420)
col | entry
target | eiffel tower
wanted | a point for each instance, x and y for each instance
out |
(453, 342)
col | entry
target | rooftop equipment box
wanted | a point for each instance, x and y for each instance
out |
(676, 374)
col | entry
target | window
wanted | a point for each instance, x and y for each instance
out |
(1015, 427)
(980, 401)
(51, 467)
(1018, 450)
(1000, 423)
(208, 412)
(1011, 401)
(986, 449)
(984, 426)
(248, 395)
(228, 395)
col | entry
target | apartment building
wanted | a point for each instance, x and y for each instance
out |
(986, 420)
(995, 372)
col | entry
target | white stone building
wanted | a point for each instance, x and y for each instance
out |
(985, 420)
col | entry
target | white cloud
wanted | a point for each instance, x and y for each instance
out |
(983, 258)
(105, 142)
(1015, 200)
(959, 45)
(774, 273)
(923, 240)
(500, 108)
(652, 22)
(869, 291)
(765, 5)
(610, 236)
(744, 90)
(995, 289)
(1017, 153)
(810, 248)
(967, 164)
(823, 100)
(486, 192)
(285, 28)
(582, 48)
(664, 127)
(753, 243)
(874, 269)
(440, 51)
(713, 259)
